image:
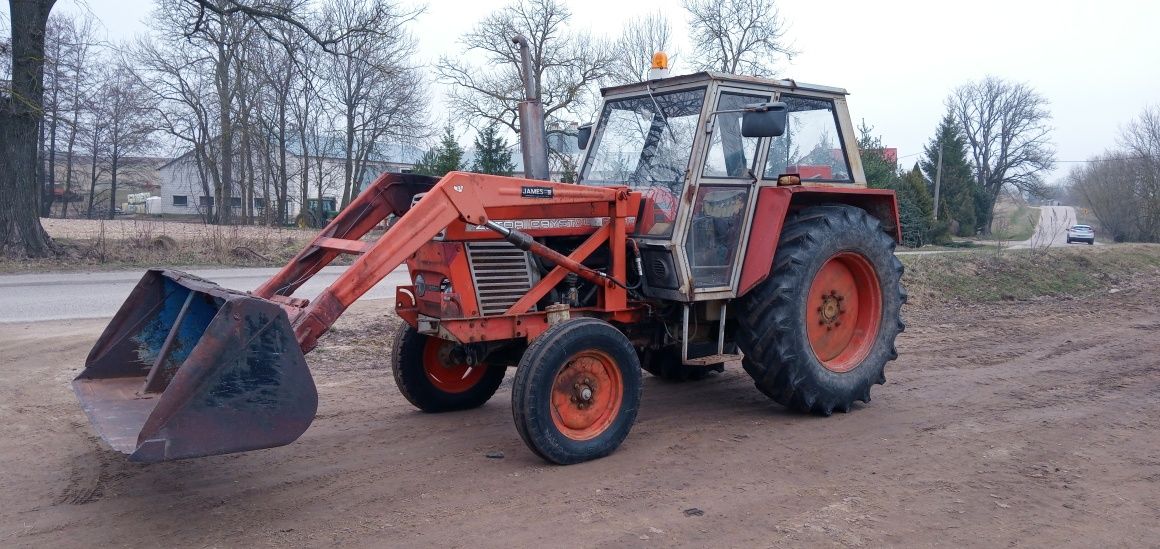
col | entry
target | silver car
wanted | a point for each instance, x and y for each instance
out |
(1081, 233)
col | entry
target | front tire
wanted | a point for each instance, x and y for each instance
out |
(817, 334)
(576, 391)
(433, 381)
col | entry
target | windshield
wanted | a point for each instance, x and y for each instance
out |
(645, 142)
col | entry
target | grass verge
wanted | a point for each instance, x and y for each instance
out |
(1019, 224)
(1026, 274)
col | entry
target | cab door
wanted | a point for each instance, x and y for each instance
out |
(723, 196)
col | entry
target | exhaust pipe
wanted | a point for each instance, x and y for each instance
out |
(533, 143)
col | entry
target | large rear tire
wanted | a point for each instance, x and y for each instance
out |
(576, 391)
(817, 334)
(429, 377)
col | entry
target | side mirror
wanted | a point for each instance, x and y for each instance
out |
(583, 134)
(764, 120)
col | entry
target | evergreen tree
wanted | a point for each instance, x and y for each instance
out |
(915, 206)
(958, 191)
(491, 153)
(447, 156)
(881, 172)
(916, 210)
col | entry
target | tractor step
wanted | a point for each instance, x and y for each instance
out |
(712, 359)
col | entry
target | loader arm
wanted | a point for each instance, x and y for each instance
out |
(463, 196)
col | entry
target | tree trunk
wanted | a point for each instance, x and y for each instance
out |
(116, 160)
(21, 233)
(69, 157)
(92, 174)
(53, 123)
(348, 167)
(225, 188)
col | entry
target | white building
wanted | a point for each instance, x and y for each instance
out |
(184, 191)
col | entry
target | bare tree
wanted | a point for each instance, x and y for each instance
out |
(737, 36)
(1122, 187)
(1006, 127)
(77, 101)
(21, 111)
(5, 58)
(1140, 140)
(278, 65)
(639, 40)
(567, 65)
(94, 138)
(56, 46)
(127, 107)
(175, 71)
(378, 93)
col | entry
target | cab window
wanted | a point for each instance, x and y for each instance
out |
(731, 155)
(811, 147)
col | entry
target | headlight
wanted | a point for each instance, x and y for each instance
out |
(445, 286)
(420, 286)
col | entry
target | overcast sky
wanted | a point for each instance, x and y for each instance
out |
(1097, 62)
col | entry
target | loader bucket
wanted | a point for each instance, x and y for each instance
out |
(187, 368)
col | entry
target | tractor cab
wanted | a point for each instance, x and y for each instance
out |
(699, 148)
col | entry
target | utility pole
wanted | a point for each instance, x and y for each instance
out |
(937, 180)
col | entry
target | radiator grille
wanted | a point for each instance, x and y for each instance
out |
(502, 275)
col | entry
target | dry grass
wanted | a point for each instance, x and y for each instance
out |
(1026, 274)
(99, 244)
(121, 229)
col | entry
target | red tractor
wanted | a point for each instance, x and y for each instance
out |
(717, 218)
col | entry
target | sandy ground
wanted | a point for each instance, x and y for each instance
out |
(1024, 423)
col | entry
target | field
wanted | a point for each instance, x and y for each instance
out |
(1024, 415)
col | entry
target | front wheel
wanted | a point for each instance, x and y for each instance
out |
(576, 391)
(817, 334)
(432, 377)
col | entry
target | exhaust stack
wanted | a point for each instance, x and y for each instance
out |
(533, 143)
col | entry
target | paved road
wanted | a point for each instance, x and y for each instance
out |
(1052, 227)
(64, 296)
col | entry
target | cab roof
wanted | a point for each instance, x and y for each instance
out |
(707, 76)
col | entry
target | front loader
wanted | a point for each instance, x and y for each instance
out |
(717, 218)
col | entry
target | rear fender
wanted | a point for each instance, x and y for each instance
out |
(775, 203)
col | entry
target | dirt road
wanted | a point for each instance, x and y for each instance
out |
(1032, 422)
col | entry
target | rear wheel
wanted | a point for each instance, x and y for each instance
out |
(576, 391)
(818, 333)
(432, 378)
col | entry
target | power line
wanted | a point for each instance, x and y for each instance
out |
(1114, 158)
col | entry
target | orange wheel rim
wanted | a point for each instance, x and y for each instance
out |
(444, 373)
(586, 395)
(843, 311)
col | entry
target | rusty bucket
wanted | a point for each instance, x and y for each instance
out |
(187, 368)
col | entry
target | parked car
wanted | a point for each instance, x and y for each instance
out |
(1081, 233)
